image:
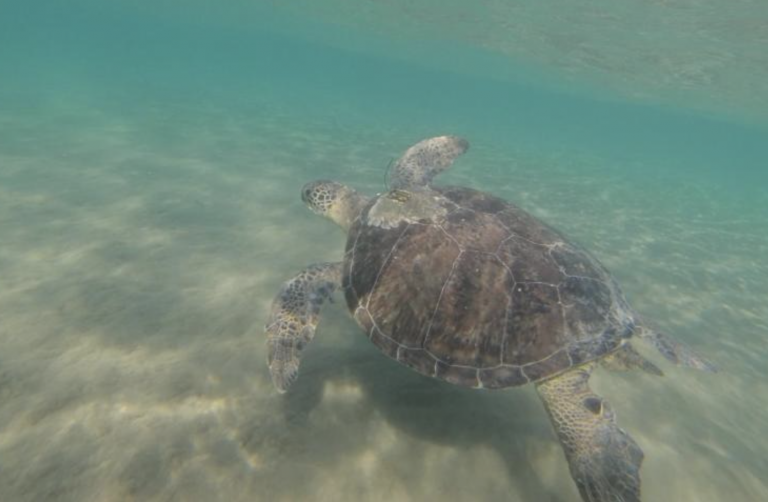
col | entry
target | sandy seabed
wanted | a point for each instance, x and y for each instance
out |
(139, 254)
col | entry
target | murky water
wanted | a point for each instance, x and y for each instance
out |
(151, 157)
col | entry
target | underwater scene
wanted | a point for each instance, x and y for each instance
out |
(153, 156)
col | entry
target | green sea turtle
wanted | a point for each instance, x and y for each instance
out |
(463, 286)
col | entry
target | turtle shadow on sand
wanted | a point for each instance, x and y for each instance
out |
(427, 410)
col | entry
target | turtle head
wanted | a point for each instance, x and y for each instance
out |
(334, 201)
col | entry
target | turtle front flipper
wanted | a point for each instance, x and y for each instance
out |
(425, 160)
(294, 317)
(675, 351)
(604, 460)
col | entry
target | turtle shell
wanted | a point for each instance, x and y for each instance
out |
(480, 293)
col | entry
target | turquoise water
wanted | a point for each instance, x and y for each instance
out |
(151, 156)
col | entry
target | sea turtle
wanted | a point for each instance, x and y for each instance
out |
(463, 286)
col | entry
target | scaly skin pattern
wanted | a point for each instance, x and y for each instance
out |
(604, 460)
(426, 159)
(294, 317)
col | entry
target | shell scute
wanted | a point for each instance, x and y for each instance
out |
(529, 262)
(468, 324)
(482, 294)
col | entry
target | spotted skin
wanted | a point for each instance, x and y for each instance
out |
(333, 200)
(604, 460)
(426, 159)
(294, 317)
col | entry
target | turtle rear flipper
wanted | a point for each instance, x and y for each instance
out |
(627, 358)
(425, 160)
(675, 351)
(604, 460)
(294, 317)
